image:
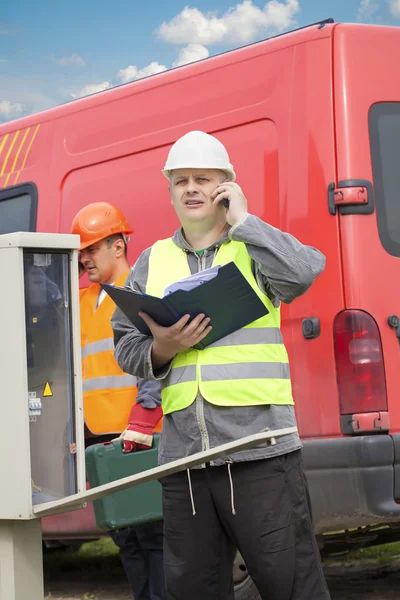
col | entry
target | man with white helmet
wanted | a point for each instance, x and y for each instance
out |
(256, 500)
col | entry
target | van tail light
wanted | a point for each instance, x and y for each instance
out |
(359, 365)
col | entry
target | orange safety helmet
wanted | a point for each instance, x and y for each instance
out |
(97, 221)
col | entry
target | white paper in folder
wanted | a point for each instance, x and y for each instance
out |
(192, 282)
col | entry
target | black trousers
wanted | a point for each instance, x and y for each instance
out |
(140, 549)
(141, 554)
(272, 529)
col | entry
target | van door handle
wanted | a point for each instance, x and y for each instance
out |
(394, 322)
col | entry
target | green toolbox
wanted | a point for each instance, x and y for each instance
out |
(134, 506)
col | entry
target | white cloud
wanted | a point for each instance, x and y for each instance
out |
(74, 60)
(132, 72)
(191, 53)
(240, 24)
(124, 75)
(191, 25)
(128, 74)
(10, 110)
(24, 95)
(91, 88)
(151, 69)
(366, 9)
(394, 8)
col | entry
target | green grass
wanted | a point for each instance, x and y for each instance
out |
(104, 547)
(383, 553)
(91, 556)
(104, 554)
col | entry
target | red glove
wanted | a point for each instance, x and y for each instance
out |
(139, 433)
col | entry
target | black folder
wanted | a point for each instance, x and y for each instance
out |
(228, 299)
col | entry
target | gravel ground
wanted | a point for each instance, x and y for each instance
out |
(347, 581)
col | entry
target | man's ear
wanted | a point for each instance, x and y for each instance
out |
(119, 246)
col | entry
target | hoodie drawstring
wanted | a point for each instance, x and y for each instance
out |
(191, 491)
(231, 486)
(232, 494)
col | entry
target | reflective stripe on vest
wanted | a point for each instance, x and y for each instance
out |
(100, 346)
(108, 392)
(248, 367)
(109, 383)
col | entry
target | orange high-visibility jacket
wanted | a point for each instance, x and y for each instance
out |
(108, 392)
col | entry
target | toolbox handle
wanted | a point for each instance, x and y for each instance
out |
(120, 442)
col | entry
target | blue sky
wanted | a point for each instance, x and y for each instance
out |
(54, 51)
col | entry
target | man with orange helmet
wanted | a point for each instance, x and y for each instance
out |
(113, 400)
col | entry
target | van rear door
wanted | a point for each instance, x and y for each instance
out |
(367, 123)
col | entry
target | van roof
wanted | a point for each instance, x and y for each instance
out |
(314, 31)
(279, 41)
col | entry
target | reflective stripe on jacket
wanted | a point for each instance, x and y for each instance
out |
(247, 367)
(108, 392)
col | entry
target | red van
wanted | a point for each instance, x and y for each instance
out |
(311, 120)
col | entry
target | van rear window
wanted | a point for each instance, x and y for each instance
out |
(384, 131)
(18, 208)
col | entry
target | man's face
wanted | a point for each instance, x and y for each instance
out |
(99, 261)
(191, 190)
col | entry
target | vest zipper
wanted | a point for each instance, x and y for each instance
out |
(205, 440)
(201, 422)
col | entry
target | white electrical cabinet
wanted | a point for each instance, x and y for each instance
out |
(41, 423)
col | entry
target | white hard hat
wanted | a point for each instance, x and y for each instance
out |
(198, 150)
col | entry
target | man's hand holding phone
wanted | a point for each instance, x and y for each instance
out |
(232, 197)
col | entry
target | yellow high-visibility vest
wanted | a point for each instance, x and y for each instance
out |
(246, 368)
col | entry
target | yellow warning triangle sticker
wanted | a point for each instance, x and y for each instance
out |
(47, 390)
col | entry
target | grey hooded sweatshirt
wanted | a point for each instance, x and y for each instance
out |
(285, 269)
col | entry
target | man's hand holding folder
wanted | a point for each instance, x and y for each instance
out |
(168, 341)
(192, 318)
